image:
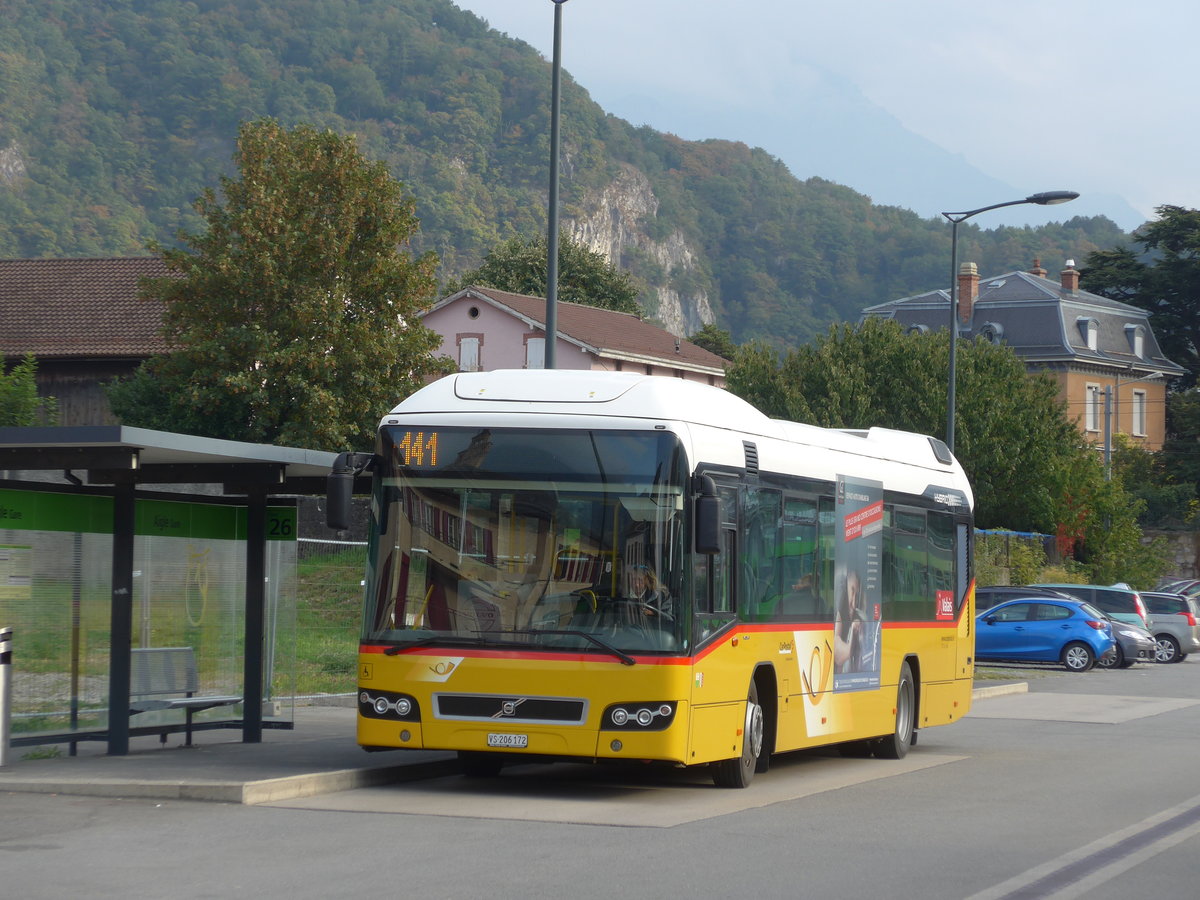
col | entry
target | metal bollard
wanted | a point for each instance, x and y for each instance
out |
(5, 692)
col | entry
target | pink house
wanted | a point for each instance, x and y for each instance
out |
(484, 329)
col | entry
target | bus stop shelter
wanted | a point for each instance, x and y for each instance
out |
(130, 464)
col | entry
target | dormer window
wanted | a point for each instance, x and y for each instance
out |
(918, 329)
(992, 332)
(1136, 335)
(1089, 330)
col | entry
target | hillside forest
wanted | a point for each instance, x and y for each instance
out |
(115, 116)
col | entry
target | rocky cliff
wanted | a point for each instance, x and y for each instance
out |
(614, 223)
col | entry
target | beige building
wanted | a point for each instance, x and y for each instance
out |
(1109, 368)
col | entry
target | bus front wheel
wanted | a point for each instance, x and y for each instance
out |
(895, 745)
(739, 771)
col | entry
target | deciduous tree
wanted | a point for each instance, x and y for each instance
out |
(584, 276)
(1164, 279)
(294, 318)
(19, 401)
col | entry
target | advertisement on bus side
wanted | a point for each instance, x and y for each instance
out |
(858, 581)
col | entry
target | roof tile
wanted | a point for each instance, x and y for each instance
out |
(64, 308)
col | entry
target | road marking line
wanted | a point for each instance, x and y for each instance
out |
(1074, 874)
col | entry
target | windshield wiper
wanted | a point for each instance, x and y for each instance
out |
(625, 659)
(452, 639)
(492, 642)
(434, 639)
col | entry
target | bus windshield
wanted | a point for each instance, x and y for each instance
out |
(524, 538)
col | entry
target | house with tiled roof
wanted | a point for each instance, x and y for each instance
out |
(83, 321)
(1103, 354)
(484, 329)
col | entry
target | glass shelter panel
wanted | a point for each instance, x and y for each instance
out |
(189, 575)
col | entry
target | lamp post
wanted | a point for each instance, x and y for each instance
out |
(1046, 198)
(552, 235)
(1112, 397)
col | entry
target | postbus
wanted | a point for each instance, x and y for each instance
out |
(602, 566)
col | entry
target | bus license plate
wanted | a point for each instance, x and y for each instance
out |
(508, 740)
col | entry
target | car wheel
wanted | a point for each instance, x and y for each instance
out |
(1114, 658)
(1078, 657)
(1166, 649)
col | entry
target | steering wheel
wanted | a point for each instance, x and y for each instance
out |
(651, 608)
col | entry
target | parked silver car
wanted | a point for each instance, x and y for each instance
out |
(1175, 624)
(1134, 644)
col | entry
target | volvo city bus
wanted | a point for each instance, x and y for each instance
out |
(601, 566)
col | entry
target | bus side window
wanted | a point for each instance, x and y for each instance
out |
(761, 585)
(797, 573)
(941, 554)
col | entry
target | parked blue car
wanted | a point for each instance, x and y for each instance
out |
(1043, 629)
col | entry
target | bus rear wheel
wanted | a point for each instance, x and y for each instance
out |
(739, 771)
(895, 745)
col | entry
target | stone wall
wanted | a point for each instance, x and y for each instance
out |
(1184, 552)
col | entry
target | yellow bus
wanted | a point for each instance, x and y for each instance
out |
(611, 566)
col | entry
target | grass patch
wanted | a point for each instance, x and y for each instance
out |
(328, 612)
(49, 752)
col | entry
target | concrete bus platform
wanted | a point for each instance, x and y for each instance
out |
(318, 756)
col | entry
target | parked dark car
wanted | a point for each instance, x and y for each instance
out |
(1189, 587)
(1045, 629)
(987, 597)
(1175, 624)
(1134, 644)
(1119, 601)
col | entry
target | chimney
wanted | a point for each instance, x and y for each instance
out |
(1037, 269)
(1070, 277)
(968, 291)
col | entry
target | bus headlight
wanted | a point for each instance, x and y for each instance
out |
(656, 716)
(388, 705)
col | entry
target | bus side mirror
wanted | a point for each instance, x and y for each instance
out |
(339, 487)
(708, 517)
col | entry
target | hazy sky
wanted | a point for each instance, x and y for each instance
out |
(1087, 95)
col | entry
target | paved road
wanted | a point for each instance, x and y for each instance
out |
(1085, 784)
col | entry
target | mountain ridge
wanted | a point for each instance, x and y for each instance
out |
(114, 117)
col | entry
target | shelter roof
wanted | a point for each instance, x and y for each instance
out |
(111, 453)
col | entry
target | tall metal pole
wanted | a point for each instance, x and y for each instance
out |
(950, 399)
(5, 693)
(552, 235)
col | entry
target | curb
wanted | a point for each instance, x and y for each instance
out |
(1000, 690)
(248, 793)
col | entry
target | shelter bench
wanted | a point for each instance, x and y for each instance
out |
(166, 678)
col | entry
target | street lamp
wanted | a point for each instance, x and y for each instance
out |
(1046, 198)
(552, 235)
